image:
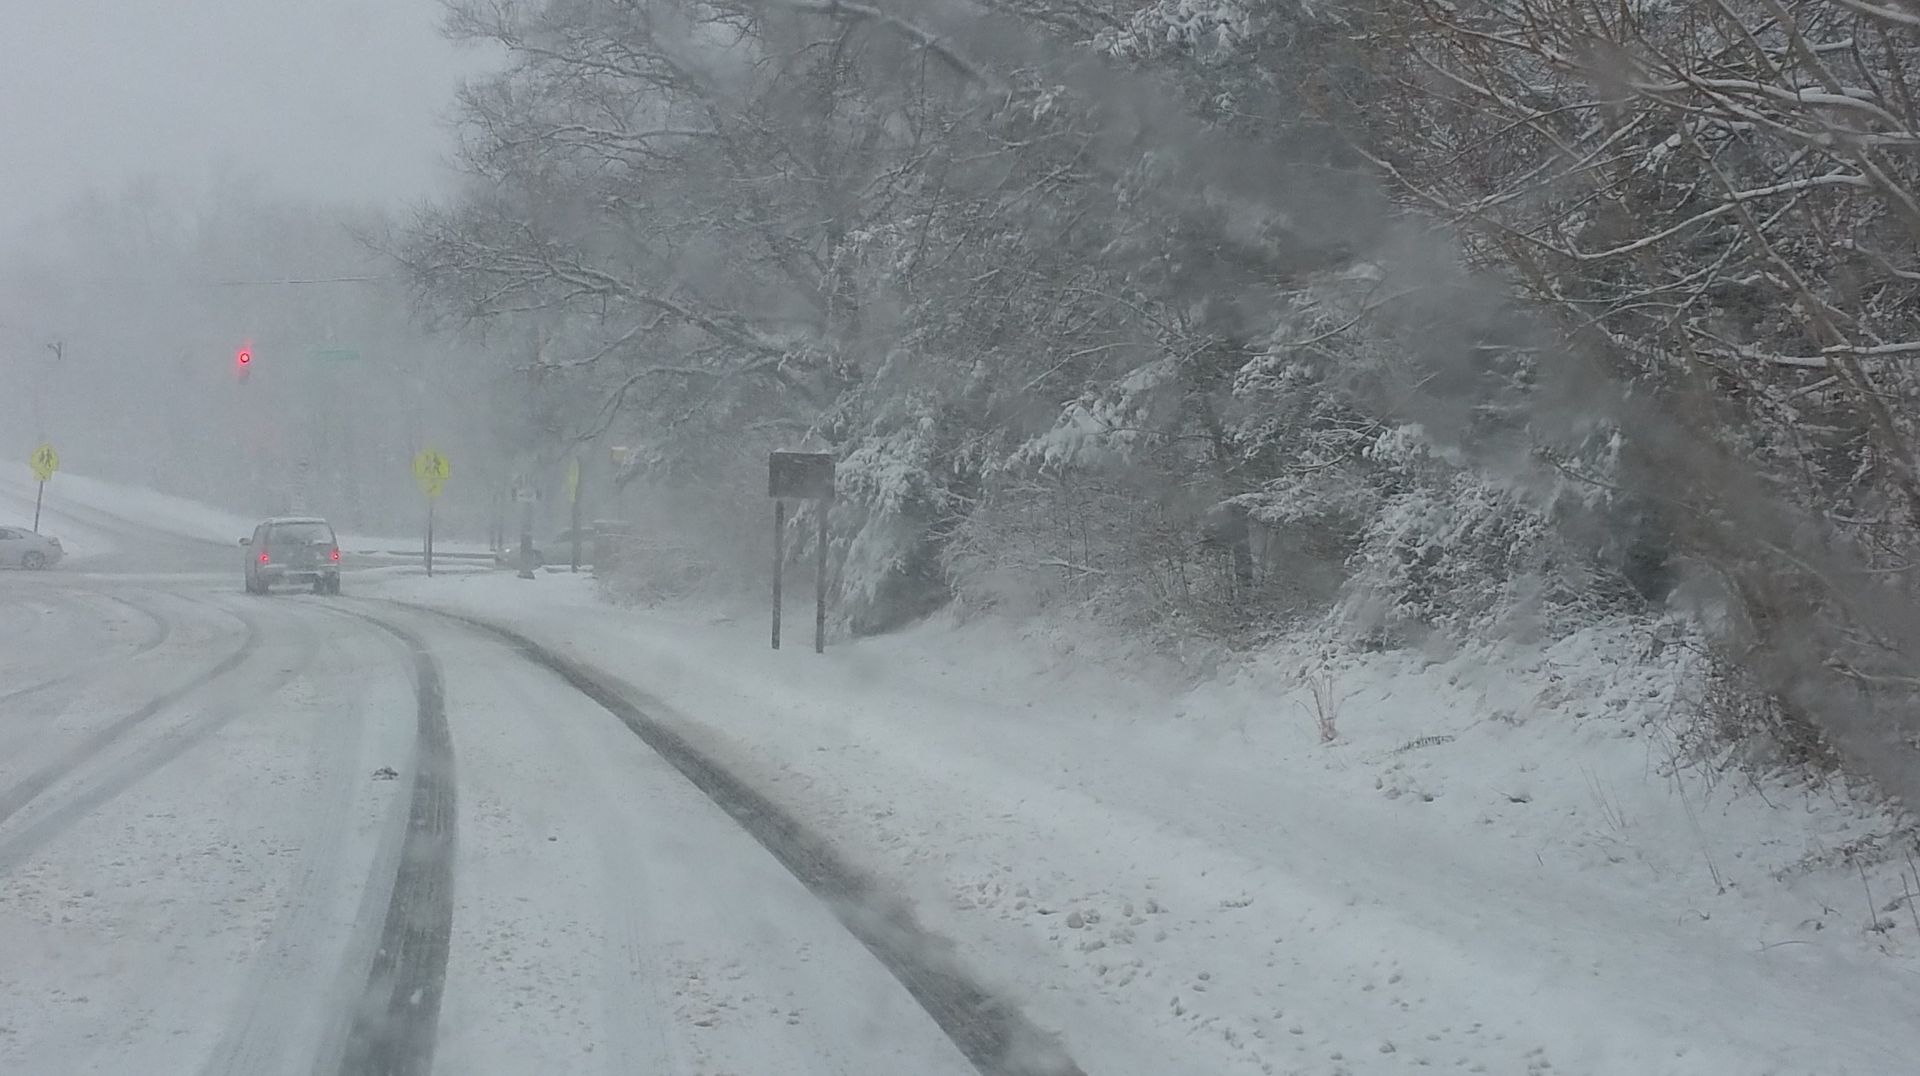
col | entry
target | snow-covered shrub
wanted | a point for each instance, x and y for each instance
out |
(1123, 507)
(689, 543)
(1456, 550)
(894, 507)
(1120, 550)
(1322, 703)
(1768, 731)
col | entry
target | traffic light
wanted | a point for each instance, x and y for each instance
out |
(243, 361)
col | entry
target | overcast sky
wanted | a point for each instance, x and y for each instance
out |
(342, 98)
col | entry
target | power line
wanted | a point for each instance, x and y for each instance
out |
(258, 282)
(290, 281)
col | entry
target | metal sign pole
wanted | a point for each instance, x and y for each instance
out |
(37, 495)
(526, 535)
(779, 555)
(429, 550)
(820, 582)
(575, 476)
(806, 476)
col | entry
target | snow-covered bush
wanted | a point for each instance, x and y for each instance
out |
(1117, 550)
(1455, 549)
(703, 541)
(895, 504)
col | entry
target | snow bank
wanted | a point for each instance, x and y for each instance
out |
(181, 517)
(80, 542)
(156, 511)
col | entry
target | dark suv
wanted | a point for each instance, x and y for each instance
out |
(293, 550)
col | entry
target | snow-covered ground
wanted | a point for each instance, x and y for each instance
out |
(1501, 864)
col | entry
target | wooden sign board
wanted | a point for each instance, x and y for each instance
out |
(800, 475)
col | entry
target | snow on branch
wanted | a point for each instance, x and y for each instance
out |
(1822, 360)
(847, 10)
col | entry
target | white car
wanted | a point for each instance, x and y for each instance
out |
(21, 548)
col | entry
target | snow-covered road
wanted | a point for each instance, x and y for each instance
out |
(316, 835)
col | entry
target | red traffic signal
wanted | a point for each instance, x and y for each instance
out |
(243, 361)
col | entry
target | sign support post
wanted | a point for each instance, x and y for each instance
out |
(526, 497)
(801, 476)
(779, 561)
(573, 489)
(430, 469)
(820, 581)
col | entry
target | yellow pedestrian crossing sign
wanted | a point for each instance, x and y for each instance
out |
(430, 470)
(45, 461)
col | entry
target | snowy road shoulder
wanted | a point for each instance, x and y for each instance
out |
(1187, 880)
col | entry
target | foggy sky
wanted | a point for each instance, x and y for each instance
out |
(342, 99)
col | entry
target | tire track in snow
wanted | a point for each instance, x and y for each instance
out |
(396, 1019)
(279, 990)
(155, 638)
(30, 787)
(633, 977)
(992, 1033)
(117, 778)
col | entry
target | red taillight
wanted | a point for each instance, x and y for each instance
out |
(336, 556)
(263, 557)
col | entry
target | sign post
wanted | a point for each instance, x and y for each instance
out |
(44, 462)
(526, 495)
(573, 492)
(430, 470)
(801, 476)
(820, 578)
(779, 561)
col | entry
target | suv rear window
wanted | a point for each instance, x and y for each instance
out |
(300, 534)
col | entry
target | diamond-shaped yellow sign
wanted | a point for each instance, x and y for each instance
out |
(44, 461)
(430, 470)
